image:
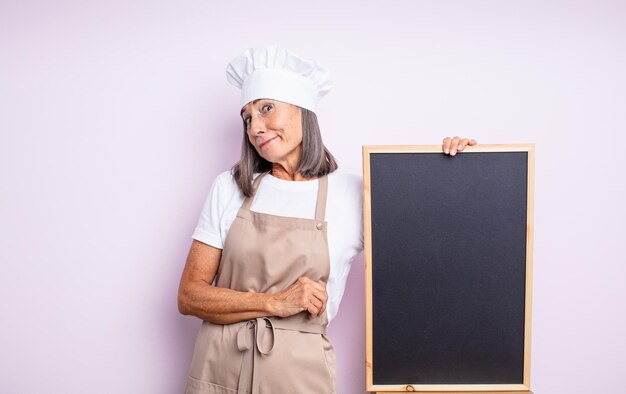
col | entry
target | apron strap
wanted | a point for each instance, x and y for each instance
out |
(320, 207)
(255, 185)
(253, 351)
(250, 343)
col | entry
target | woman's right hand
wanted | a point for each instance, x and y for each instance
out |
(304, 295)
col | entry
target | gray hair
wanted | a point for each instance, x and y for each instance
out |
(315, 160)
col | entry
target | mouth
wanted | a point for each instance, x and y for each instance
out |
(264, 143)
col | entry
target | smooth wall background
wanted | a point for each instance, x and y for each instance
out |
(116, 116)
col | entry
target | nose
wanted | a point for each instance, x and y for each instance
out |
(256, 125)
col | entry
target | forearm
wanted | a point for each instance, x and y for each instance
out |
(222, 306)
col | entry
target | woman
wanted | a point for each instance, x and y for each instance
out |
(272, 250)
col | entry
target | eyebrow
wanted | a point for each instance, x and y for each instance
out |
(254, 102)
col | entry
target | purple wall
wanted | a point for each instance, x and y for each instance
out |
(115, 117)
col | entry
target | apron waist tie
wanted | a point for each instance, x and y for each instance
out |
(252, 345)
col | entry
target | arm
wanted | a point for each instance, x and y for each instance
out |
(198, 297)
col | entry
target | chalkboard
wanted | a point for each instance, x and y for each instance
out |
(448, 245)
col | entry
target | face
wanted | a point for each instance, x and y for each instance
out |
(274, 128)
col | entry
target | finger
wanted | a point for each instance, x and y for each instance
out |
(465, 142)
(312, 296)
(313, 310)
(302, 280)
(318, 304)
(446, 145)
(454, 145)
(319, 285)
(320, 295)
(304, 302)
(310, 312)
(309, 307)
(323, 308)
(462, 144)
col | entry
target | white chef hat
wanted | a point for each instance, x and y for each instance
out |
(275, 73)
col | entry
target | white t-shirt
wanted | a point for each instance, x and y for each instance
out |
(344, 216)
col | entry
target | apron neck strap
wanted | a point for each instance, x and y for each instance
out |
(322, 192)
(255, 185)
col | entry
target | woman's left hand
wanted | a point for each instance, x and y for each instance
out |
(451, 146)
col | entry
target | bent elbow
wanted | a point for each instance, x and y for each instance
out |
(183, 305)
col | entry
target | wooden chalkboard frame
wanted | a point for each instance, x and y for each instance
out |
(449, 388)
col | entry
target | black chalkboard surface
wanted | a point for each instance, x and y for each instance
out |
(448, 268)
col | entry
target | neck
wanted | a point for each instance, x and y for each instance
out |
(287, 173)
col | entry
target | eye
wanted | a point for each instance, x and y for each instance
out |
(246, 121)
(267, 107)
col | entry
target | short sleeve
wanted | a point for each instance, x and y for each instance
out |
(208, 229)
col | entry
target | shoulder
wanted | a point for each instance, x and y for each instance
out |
(225, 181)
(345, 189)
(225, 188)
(345, 211)
(342, 182)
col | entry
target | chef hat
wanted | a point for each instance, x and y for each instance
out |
(275, 73)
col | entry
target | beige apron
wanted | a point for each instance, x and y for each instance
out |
(271, 355)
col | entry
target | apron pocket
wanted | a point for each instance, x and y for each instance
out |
(297, 364)
(195, 386)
